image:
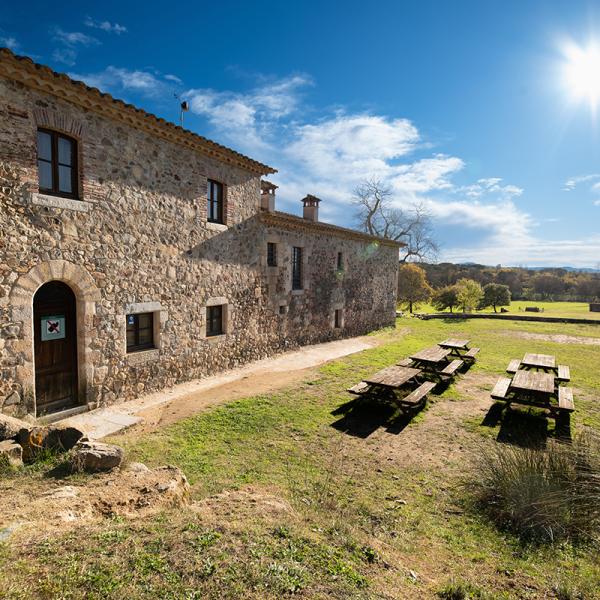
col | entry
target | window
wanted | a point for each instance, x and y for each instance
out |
(271, 254)
(140, 332)
(296, 268)
(337, 318)
(282, 309)
(340, 261)
(214, 320)
(57, 164)
(214, 209)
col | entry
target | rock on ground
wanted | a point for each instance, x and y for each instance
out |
(94, 457)
(12, 451)
(59, 438)
(10, 427)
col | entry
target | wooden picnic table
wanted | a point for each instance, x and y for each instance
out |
(393, 377)
(386, 384)
(539, 388)
(533, 381)
(459, 344)
(539, 361)
(431, 356)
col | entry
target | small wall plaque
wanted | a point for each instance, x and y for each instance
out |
(53, 328)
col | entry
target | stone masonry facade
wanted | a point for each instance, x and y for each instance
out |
(137, 240)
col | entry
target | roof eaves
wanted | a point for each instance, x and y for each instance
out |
(202, 143)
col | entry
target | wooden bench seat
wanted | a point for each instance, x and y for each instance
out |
(513, 365)
(565, 399)
(416, 396)
(501, 388)
(472, 353)
(359, 388)
(450, 369)
(405, 362)
(564, 373)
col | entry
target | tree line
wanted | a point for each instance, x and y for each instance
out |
(552, 284)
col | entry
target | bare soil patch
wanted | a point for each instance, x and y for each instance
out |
(439, 439)
(556, 338)
(46, 505)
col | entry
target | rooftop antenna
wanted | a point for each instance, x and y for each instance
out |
(183, 108)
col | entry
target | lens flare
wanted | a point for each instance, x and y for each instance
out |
(582, 72)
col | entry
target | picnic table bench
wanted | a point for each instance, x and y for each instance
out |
(539, 388)
(435, 361)
(540, 362)
(460, 348)
(389, 381)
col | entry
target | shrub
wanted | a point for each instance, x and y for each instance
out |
(542, 494)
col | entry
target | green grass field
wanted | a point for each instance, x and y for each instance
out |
(579, 310)
(381, 513)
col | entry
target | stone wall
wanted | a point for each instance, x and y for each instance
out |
(138, 240)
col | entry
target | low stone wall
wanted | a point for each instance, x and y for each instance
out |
(505, 317)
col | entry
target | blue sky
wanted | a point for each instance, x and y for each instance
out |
(462, 106)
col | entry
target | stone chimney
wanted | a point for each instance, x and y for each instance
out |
(267, 195)
(311, 207)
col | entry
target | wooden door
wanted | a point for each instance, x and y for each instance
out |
(55, 343)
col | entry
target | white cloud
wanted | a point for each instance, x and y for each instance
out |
(173, 78)
(69, 41)
(105, 26)
(118, 80)
(491, 185)
(573, 182)
(596, 202)
(74, 38)
(10, 42)
(247, 120)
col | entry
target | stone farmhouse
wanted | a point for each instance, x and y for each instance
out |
(135, 254)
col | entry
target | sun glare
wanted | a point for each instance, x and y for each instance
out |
(582, 72)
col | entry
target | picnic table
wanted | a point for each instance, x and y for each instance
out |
(539, 388)
(539, 361)
(459, 348)
(392, 377)
(434, 361)
(391, 380)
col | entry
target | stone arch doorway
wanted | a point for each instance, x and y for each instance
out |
(55, 348)
(21, 299)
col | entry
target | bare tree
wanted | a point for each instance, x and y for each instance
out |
(377, 216)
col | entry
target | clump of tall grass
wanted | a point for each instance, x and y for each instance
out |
(544, 494)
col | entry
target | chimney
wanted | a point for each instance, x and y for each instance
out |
(267, 195)
(311, 207)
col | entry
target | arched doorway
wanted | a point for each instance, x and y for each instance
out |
(55, 348)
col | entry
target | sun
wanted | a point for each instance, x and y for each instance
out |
(581, 72)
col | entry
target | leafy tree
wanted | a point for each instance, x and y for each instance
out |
(446, 297)
(469, 294)
(412, 285)
(495, 294)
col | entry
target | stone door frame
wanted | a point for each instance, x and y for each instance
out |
(21, 302)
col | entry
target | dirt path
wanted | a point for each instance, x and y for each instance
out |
(193, 403)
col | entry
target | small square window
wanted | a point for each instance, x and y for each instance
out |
(271, 254)
(338, 318)
(340, 261)
(282, 309)
(140, 332)
(214, 320)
